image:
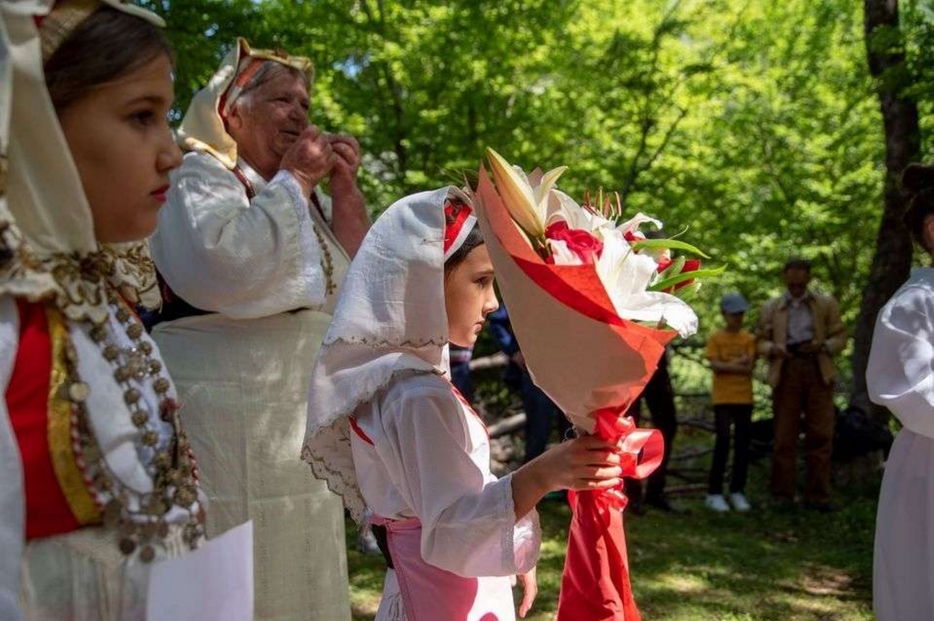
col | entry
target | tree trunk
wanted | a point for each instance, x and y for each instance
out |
(892, 261)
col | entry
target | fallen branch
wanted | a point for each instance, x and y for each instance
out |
(489, 362)
(507, 425)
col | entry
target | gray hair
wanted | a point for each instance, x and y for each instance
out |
(269, 70)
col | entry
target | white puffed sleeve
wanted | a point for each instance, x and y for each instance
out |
(223, 253)
(12, 494)
(900, 373)
(468, 518)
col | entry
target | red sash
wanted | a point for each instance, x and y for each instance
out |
(43, 431)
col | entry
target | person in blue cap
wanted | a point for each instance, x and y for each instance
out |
(732, 355)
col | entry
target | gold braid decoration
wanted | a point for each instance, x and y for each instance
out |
(62, 421)
(327, 263)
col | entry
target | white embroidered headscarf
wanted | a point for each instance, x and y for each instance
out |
(390, 320)
(202, 128)
(47, 245)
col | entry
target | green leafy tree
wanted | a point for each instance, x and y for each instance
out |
(756, 126)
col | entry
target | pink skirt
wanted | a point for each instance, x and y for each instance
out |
(430, 593)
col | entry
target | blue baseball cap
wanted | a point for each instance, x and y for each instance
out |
(734, 303)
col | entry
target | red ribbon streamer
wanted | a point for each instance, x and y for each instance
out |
(595, 585)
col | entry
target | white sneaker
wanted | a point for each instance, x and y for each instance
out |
(716, 502)
(739, 502)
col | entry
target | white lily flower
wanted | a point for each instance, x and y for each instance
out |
(526, 203)
(632, 225)
(534, 203)
(563, 207)
(663, 309)
(626, 275)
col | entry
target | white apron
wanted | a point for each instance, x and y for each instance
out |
(242, 386)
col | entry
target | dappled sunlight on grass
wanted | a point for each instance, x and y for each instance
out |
(684, 584)
(699, 566)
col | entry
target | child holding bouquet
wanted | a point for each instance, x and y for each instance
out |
(390, 433)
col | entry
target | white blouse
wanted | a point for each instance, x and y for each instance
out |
(419, 451)
(224, 253)
(900, 373)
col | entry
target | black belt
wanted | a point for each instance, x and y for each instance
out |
(382, 542)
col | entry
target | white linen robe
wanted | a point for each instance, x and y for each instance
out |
(900, 376)
(242, 371)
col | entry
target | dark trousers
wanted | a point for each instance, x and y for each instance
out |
(541, 414)
(659, 396)
(802, 389)
(726, 416)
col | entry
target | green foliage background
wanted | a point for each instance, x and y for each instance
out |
(753, 123)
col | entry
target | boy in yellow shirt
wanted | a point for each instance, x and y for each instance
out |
(732, 355)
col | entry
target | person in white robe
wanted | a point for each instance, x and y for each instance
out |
(256, 252)
(391, 434)
(900, 376)
(98, 485)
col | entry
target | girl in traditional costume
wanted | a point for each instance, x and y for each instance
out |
(900, 377)
(98, 481)
(390, 433)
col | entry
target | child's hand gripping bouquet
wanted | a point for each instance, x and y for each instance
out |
(593, 304)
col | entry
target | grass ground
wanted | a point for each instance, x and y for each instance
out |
(767, 565)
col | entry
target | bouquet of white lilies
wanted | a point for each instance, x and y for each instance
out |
(644, 282)
(593, 303)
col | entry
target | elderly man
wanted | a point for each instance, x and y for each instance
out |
(799, 332)
(252, 252)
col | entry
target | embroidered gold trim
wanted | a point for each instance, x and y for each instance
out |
(133, 273)
(327, 264)
(77, 282)
(61, 448)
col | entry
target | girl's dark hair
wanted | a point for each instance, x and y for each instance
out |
(474, 238)
(919, 180)
(104, 47)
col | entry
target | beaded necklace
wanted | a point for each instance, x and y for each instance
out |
(141, 519)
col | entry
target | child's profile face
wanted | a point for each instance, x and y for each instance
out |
(122, 145)
(469, 296)
(734, 321)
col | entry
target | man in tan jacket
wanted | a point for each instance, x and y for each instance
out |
(799, 333)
